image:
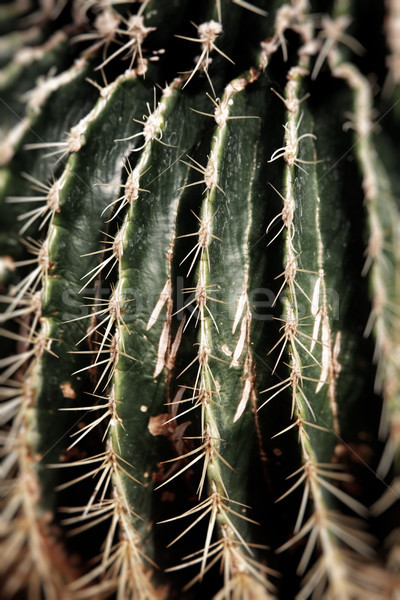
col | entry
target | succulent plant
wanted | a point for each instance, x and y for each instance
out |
(200, 283)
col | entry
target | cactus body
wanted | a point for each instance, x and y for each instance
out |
(200, 280)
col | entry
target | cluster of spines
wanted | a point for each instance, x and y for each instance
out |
(325, 527)
(218, 502)
(220, 510)
(382, 267)
(131, 561)
(123, 562)
(205, 387)
(26, 532)
(25, 300)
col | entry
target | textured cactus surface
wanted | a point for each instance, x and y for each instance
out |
(200, 292)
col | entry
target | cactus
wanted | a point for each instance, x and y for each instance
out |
(199, 266)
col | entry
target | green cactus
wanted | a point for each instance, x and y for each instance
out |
(200, 283)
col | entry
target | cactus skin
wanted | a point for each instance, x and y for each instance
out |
(200, 281)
